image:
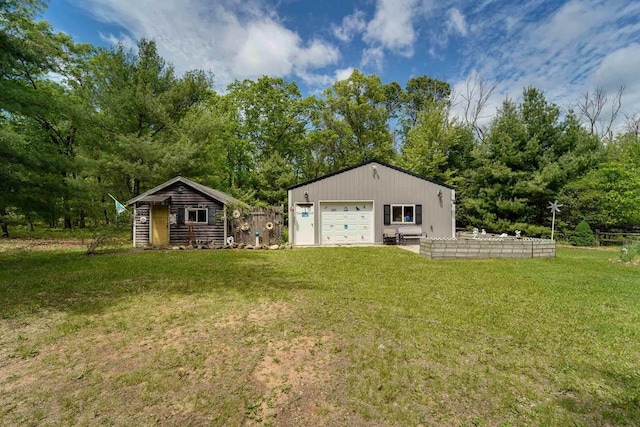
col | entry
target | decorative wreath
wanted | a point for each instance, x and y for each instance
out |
(236, 213)
(269, 225)
(143, 220)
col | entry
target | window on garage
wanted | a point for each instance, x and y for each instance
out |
(402, 214)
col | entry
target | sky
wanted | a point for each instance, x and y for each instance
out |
(565, 48)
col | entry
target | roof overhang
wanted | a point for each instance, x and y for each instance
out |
(156, 200)
(218, 195)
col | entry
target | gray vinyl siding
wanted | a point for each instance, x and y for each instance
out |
(389, 187)
(178, 233)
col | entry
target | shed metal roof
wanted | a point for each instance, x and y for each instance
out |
(216, 194)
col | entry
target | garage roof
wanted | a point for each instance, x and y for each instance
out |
(366, 163)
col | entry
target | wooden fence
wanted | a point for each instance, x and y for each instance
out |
(611, 238)
(267, 222)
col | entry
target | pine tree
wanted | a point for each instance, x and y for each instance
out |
(583, 236)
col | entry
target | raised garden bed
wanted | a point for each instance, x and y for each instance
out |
(487, 248)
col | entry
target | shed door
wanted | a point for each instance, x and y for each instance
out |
(160, 225)
(346, 222)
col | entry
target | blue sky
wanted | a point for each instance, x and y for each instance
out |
(564, 48)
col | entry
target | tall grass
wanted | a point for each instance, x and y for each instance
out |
(629, 252)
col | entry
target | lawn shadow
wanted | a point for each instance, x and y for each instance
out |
(74, 282)
(615, 401)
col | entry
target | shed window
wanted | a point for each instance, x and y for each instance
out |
(196, 215)
(402, 214)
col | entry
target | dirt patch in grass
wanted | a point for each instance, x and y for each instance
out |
(294, 375)
(178, 364)
(40, 244)
(267, 312)
(631, 263)
(263, 313)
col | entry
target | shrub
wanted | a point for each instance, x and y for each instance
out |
(107, 235)
(284, 237)
(630, 252)
(583, 236)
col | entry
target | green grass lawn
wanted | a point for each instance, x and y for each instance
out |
(319, 336)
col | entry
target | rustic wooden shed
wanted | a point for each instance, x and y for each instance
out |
(181, 212)
(357, 204)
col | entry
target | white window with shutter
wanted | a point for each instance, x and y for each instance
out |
(196, 215)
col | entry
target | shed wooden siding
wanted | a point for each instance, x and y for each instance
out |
(389, 187)
(178, 233)
(141, 230)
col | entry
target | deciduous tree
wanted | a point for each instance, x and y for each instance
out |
(356, 114)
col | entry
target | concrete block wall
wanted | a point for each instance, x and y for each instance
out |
(487, 248)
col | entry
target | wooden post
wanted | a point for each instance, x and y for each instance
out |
(226, 224)
(191, 237)
(597, 237)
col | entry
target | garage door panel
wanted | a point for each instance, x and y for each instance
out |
(347, 222)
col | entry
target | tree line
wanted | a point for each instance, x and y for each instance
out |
(79, 122)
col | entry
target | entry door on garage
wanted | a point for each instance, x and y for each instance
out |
(304, 231)
(346, 222)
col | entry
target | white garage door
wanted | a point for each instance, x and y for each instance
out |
(346, 222)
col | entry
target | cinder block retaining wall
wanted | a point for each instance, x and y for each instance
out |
(487, 248)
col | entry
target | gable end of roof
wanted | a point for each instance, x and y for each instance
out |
(329, 175)
(215, 194)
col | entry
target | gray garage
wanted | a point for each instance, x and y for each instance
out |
(358, 204)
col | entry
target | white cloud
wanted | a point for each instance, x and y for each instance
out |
(619, 68)
(425, 7)
(317, 54)
(574, 20)
(456, 22)
(351, 25)
(562, 48)
(563, 51)
(343, 74)
(373, 56)
(126, 41)
(234, 39)
(268, 48)
(510, 22)
(392, 26)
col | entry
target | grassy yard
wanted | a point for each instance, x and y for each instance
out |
(321, 336)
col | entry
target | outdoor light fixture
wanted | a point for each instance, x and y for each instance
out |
(439, 193)
(374, 168)
(306, 196)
